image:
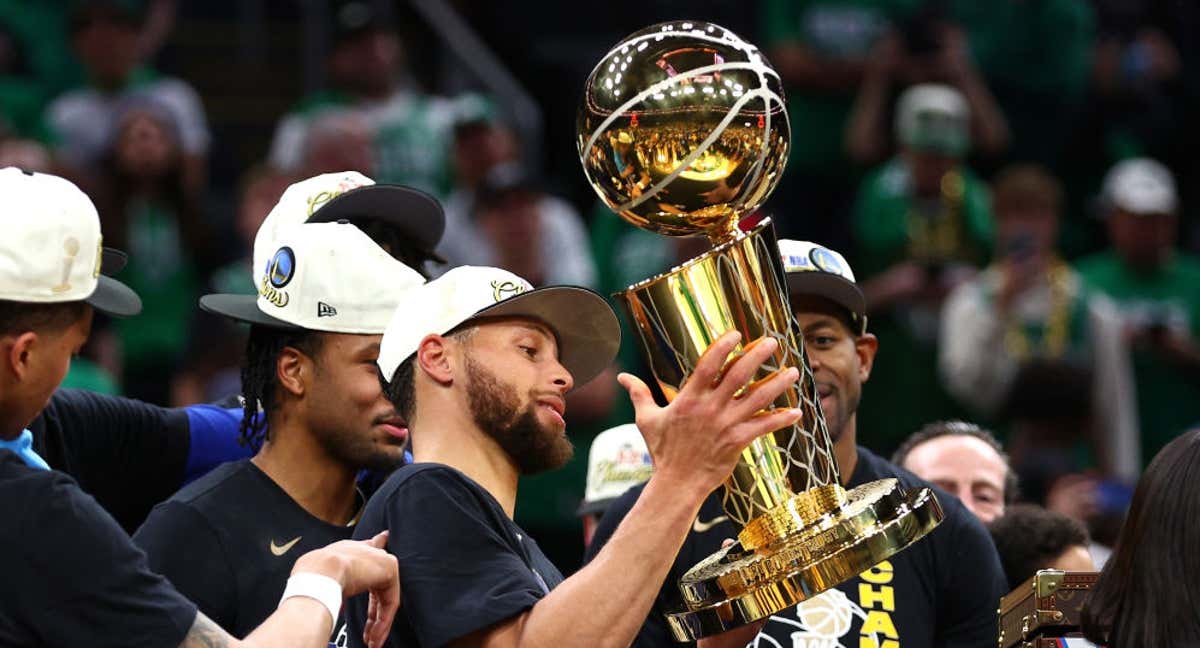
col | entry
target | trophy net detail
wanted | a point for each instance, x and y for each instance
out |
(739, 285)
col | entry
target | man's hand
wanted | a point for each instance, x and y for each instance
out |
(695, 441)
(361, 566)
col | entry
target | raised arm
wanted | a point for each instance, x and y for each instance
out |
(695, 442)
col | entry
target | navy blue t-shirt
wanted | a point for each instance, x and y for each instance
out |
(69, 576)
(464, 564)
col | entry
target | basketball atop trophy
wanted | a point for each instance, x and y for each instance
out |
(682, 129)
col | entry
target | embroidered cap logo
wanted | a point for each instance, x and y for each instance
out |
(502, 290)
(276, 275)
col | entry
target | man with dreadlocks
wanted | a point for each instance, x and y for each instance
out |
(131, 455)
(324, 298)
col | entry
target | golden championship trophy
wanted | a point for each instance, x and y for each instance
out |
(683, 131)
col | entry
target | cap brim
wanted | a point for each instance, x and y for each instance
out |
(587, 328)
(112, 261)
(415, 213)
(114, 298)
(243, 308)
(830, 286)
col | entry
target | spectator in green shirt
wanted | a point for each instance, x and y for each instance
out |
(923, 226)
(410, 131)
(821, 49)
(1157, 289)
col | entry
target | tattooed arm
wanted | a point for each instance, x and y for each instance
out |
(298, 622)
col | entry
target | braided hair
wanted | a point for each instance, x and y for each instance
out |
(259, 376)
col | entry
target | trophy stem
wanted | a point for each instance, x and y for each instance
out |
(740, 285)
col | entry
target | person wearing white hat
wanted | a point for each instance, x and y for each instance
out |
(920, 597)
(1156, 286)
(71, 575)
(132, 455)
(922, 225)
(315, 327)
(482, 378)
(617, 461)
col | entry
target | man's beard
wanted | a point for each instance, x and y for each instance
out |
(845, 407)
(495, 406)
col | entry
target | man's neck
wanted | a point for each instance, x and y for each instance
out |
(456, 441)
(295, 461)
(845, 449)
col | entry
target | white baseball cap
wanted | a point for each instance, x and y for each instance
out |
(585, 325)
(344, 195)
(51, 249)
(617, 461)
(1141, 186)
(327, 277)
(814, 269)
(933, 117)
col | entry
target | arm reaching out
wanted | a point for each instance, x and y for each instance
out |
(357, 566)
(695, 442)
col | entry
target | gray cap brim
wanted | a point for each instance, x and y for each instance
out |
(243, 308)
(114, 298)
(830, 286)
(586, 326)
(415, 213)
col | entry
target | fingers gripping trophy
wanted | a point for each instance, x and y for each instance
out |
(683, 132)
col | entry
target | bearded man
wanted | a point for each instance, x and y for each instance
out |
(479, 364)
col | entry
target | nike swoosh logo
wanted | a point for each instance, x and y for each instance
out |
(279, 551)
(701, 527)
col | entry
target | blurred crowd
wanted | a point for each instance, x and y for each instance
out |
(1011, 178)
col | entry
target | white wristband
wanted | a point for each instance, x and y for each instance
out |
(323, 589)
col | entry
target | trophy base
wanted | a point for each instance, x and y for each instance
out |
(733, 586)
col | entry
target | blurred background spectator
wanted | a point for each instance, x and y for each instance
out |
(1029, 343)
(1156, 287)
(1029, 538)
(923, 225)
(964, 460)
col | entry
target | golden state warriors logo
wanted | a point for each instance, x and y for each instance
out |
(502, 290)
(824, 259)
(276, 275)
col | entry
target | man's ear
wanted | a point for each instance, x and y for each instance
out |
(293, 370)
(434, 358)
(866, 346)
(18, 352)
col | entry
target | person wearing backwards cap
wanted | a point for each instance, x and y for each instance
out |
(228, 539)
(940, 592)
(1156, 287)
(131, 455)
(482, 380)
(71, 575)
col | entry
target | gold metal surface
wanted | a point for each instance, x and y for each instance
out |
(792, 516)
(739, 285)
(734, 587)
(682, 131)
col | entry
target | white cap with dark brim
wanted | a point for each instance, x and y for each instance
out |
(349, 195)
(51, 250)
(328, 277)
(814, 269)
(586, 327)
